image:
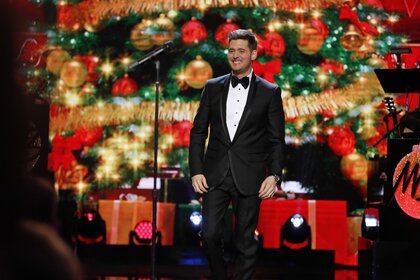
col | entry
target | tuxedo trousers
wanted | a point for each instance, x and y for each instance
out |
(246, 211)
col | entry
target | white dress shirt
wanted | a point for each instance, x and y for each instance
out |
(235, 106)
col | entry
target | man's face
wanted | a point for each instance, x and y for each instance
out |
(240, 57)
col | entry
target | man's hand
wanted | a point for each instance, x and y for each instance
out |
(268, 188)
(199, 183)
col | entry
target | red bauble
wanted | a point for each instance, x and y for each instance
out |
(91, 62)
(89, 137)
(193, 31)
(182, 129)
(124, 86)
(318, 25)
(260, 45)
(222, 32)
(332, 66)
(406, 192)
(342, 141)
(274, 44)
(31, 48)
(69, 17)
(328, 114)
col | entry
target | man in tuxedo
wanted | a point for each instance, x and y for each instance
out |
(243, 160)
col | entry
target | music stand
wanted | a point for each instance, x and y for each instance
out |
(399, 80)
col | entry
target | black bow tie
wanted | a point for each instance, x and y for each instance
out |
(244, 81)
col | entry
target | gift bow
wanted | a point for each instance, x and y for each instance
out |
(61, 154)
(267, 70)
(347, 14)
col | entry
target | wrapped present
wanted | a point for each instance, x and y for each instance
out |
(327, 219)
(121, 216)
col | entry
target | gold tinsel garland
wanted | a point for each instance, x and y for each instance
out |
(294, 107)
(108, 8)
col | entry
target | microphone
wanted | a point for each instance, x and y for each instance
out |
(168, 46)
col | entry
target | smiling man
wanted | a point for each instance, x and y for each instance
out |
(244, 157)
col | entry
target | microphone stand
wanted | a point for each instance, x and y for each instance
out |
(168, 46)
(155, 169)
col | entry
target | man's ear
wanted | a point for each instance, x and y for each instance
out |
(254, 55)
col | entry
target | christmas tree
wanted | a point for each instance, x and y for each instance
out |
(321, 53)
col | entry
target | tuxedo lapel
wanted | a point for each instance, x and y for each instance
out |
(223, 100)
(247, 109)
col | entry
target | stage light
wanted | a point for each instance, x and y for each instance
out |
(142, 233)
(91, 228)
(196, 218)
(370, 223)
(295, 233)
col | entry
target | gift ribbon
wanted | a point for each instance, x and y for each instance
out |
(312, 221)
(267, 70)
(61, 154)
(347, 14)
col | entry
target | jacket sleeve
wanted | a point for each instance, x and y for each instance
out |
(276, 133)
(198, 134)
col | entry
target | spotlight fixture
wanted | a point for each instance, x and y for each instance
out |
(142, 234)
(370, 223)
(295, 233)
(196, 219)
(91, 228)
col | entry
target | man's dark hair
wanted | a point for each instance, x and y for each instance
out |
(244, 35)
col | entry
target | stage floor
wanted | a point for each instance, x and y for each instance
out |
(124, 262)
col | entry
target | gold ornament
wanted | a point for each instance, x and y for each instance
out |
(377, 62)
(141, 35)
(56, 59)
(73, 73)
(198, 72)
(166, 30)
(351, 40)
(366, 49)
(310, 40)
(355, 169)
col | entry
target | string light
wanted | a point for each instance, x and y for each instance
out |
(316, 14)
(393, 18)
(126, 60)
(107, 68)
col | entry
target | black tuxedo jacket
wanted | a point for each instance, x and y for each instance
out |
(257, 148)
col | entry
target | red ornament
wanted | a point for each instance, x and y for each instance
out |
(182, 138)
(222, 32)
(69, 17)
(404, 184)
(89, 137)
(193, 31)
(31, 47)
(332, 66)
(342, 141)
(91, 62)
(260, 45)
(274, 44)
(319, 25)
(180, 132)
(124, 86)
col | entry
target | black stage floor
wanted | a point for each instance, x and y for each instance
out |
(128, 262)
(386, 260)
